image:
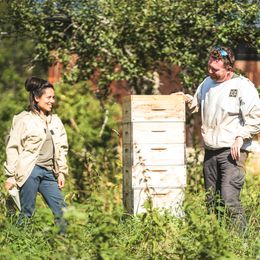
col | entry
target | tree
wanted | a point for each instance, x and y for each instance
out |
(135, 36)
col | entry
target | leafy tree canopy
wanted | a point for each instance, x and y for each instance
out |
(130, 39)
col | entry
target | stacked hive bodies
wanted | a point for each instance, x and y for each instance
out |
(153, 152)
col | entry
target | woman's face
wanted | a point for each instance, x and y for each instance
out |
(46, 101)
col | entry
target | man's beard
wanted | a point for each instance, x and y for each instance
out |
(214, 76)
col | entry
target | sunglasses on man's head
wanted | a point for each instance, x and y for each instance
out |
(222, 53)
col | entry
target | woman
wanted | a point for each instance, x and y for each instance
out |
(36, 152)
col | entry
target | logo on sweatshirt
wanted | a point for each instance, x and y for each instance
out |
(233, 93)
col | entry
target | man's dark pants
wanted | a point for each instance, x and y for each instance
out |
(225, 177)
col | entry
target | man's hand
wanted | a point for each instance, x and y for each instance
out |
(235, 148)
(61, 181)
(187, 98)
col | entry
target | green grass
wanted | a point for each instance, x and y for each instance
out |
(99, 229)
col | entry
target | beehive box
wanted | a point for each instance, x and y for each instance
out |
(153, 152)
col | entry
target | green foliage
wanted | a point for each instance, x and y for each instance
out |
(99, 229)
(195, 182)
(210, 240)
(92, 130)
(135, 36)
(152, 235)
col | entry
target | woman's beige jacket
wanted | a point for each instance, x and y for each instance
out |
(27, 136)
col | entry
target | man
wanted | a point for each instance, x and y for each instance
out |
(230, 113)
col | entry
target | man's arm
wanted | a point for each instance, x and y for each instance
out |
(250, 114)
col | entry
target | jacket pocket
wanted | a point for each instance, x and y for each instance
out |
(230, 105)
(33, 143)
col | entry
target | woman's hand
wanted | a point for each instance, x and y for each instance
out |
(9, 184)
(61, 181)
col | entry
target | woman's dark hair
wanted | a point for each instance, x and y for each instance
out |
(36, 88)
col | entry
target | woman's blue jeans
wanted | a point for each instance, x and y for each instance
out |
(43, 181)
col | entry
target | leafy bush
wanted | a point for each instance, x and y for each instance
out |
(92, 133)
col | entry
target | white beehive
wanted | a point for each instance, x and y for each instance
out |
(153, 152)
